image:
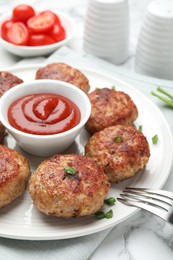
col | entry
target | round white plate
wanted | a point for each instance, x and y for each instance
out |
(21, 220)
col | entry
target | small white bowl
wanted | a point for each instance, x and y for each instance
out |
(29, 51)
(45, 145)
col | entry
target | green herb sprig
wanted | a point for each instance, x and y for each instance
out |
(140, 128)
(169, 101)
(117, 139)
(101, 214)
(110, 201)
(109, 214)
(155, 139)
(69, 170)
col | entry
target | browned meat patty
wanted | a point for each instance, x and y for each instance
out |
(64, 72)
(121, 150)
(69, 185)
(14, 174)
(2, 132)
(7, 81)
(110, 107)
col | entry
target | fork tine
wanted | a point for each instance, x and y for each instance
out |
(149, 201)
(151, 209)
(154, 196)
(163, 193)
(158, 202)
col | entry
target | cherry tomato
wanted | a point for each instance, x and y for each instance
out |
(40, 39)
(56, 18)
(4, 28)
(57, 33)
(22, 13)
(41, 23)
(17, 34)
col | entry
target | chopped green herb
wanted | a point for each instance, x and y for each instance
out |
(109, 214)
(140, 128)
(110, 201)
(117, 139)
(100, 215)
(113, 87)
(155, 139)
(70, 170)
(169, 102)
(165, 92)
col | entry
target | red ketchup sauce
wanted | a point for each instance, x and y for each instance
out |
(43, 114)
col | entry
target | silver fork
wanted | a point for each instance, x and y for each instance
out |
(158, 202)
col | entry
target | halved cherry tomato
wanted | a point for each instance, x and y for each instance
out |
(40, 39)
(56, 18)
(26, 28)
(17, 34)
(41, 23)
(22, 12)
(57, 33)
(4, 28)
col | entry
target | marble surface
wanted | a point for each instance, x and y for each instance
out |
(142, 236)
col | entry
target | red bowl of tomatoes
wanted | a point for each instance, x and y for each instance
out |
(26, 32)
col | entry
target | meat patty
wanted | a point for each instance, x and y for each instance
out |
(7, 81)
(14, 174)
(121, 150)
(110, 107)
(64, 72)
(69, 185)
(2, 132)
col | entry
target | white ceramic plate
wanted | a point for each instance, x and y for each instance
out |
(21, 220)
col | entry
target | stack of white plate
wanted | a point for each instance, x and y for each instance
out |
(154, 54)
(106, 29)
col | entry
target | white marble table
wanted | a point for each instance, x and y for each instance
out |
(142, 236)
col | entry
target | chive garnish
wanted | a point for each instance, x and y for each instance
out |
(169, 102)
(140, 128)
(161, 90)
(110, 201)
(100, 215)
(113, 87)
(70, 170)
(155, 139)
(109, 214)
(117, 139)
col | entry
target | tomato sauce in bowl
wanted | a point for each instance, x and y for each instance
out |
(42, 131)
(43, 114)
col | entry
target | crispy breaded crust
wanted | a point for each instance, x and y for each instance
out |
(64, 72)
(7, 81)
(14, 174)
(120, 150)
(110, 107)
(54, 192)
